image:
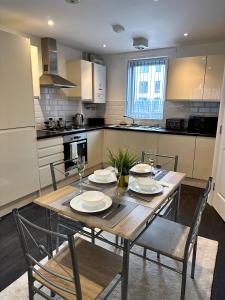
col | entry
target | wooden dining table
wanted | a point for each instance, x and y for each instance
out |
(139, 212)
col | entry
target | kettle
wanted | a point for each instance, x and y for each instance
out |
(78, 119)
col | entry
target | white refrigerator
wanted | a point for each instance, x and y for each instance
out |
(18, 151)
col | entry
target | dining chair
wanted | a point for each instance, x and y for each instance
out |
(63, 221)
(175, 240)
(79, 270)
(165, 162)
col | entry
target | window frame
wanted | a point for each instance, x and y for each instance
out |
(163, 61)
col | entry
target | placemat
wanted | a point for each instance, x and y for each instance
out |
(109, 218)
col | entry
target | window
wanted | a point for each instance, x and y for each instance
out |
(143, 87)
(146, 84)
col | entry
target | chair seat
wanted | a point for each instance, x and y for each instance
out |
(97, 268)
(165, 237)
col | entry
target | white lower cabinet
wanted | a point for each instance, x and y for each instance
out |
(113, 141)
(183, 146)
(95, 147)
(142, 141)
(18, 164)
(49, 151)
(203, 162)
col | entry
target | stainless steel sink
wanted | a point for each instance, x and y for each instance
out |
(137, 126)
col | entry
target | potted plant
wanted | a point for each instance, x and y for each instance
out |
(123, 161)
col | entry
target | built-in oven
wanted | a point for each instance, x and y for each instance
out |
(77, 141)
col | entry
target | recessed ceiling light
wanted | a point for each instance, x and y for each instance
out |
(104, 45)
(155, 0)
(50, 23)
(186, 34)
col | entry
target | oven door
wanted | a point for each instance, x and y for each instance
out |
(81, 152)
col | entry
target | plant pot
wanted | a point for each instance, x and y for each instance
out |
(123, 182)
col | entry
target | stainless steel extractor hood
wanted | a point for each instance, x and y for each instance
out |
(50, 77)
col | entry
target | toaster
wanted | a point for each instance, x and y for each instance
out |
(177, 124)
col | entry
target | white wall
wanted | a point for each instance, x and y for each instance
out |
(117, 66)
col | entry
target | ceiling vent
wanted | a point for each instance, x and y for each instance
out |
(140, 43)
(118, 28)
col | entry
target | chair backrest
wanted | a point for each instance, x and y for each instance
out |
(34, 241)
(54, 169)
(198, 216)
(162, 160)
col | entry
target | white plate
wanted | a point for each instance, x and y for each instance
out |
(133, 186)
(77, 203)
(110, 179)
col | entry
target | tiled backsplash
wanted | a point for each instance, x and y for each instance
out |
(173, 109)
(54, 103)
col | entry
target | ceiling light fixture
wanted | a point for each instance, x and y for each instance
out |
(186, 34)
(140, 43)
(73, 1)
(104, 45)
(50, 23)
(118, 28)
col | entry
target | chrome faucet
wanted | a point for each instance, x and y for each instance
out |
(133, 122)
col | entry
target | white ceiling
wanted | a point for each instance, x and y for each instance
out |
(87, 25)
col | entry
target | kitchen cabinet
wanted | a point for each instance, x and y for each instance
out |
(90, 78)
(113, 141)
(213, 77)
(16, 99)
(141, 141)
(183, 146)
(50, 151)
(95, 147)
(80, 72)
(185, 79)
(203, 160)
(19, 167)
(35, 71)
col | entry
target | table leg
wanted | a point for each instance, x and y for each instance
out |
(177, 204)
(125, 271)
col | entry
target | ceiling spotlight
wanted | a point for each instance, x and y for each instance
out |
(104, 45)
(118, 28)
(50, 23)
(73, 1)
(186, 34)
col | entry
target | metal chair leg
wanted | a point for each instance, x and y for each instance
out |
(193, 260)
(144, 252)
(93, 236)
(117, 240)
(30, 284)
(184, 277)
(158, 255)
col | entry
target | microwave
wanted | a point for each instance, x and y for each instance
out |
(203, 124)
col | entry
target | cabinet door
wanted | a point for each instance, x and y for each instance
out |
(99, 77)
(95, 147)
(213, 77)
(16, 99)
(86, 80)
(141, 141)
(113, 141)
(18, 164)
(203, 157)
(35, 71)
(183, 146)
(186, 78)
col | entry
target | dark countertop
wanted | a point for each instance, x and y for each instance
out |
(43, 134)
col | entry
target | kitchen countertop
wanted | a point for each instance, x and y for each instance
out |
(43, 134)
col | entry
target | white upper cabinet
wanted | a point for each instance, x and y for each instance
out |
(80, 72)
(195, 78)
(16, 99)
(35, 71)
(213, 77)
(90, 78)
(186, 78)
(99, 81)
